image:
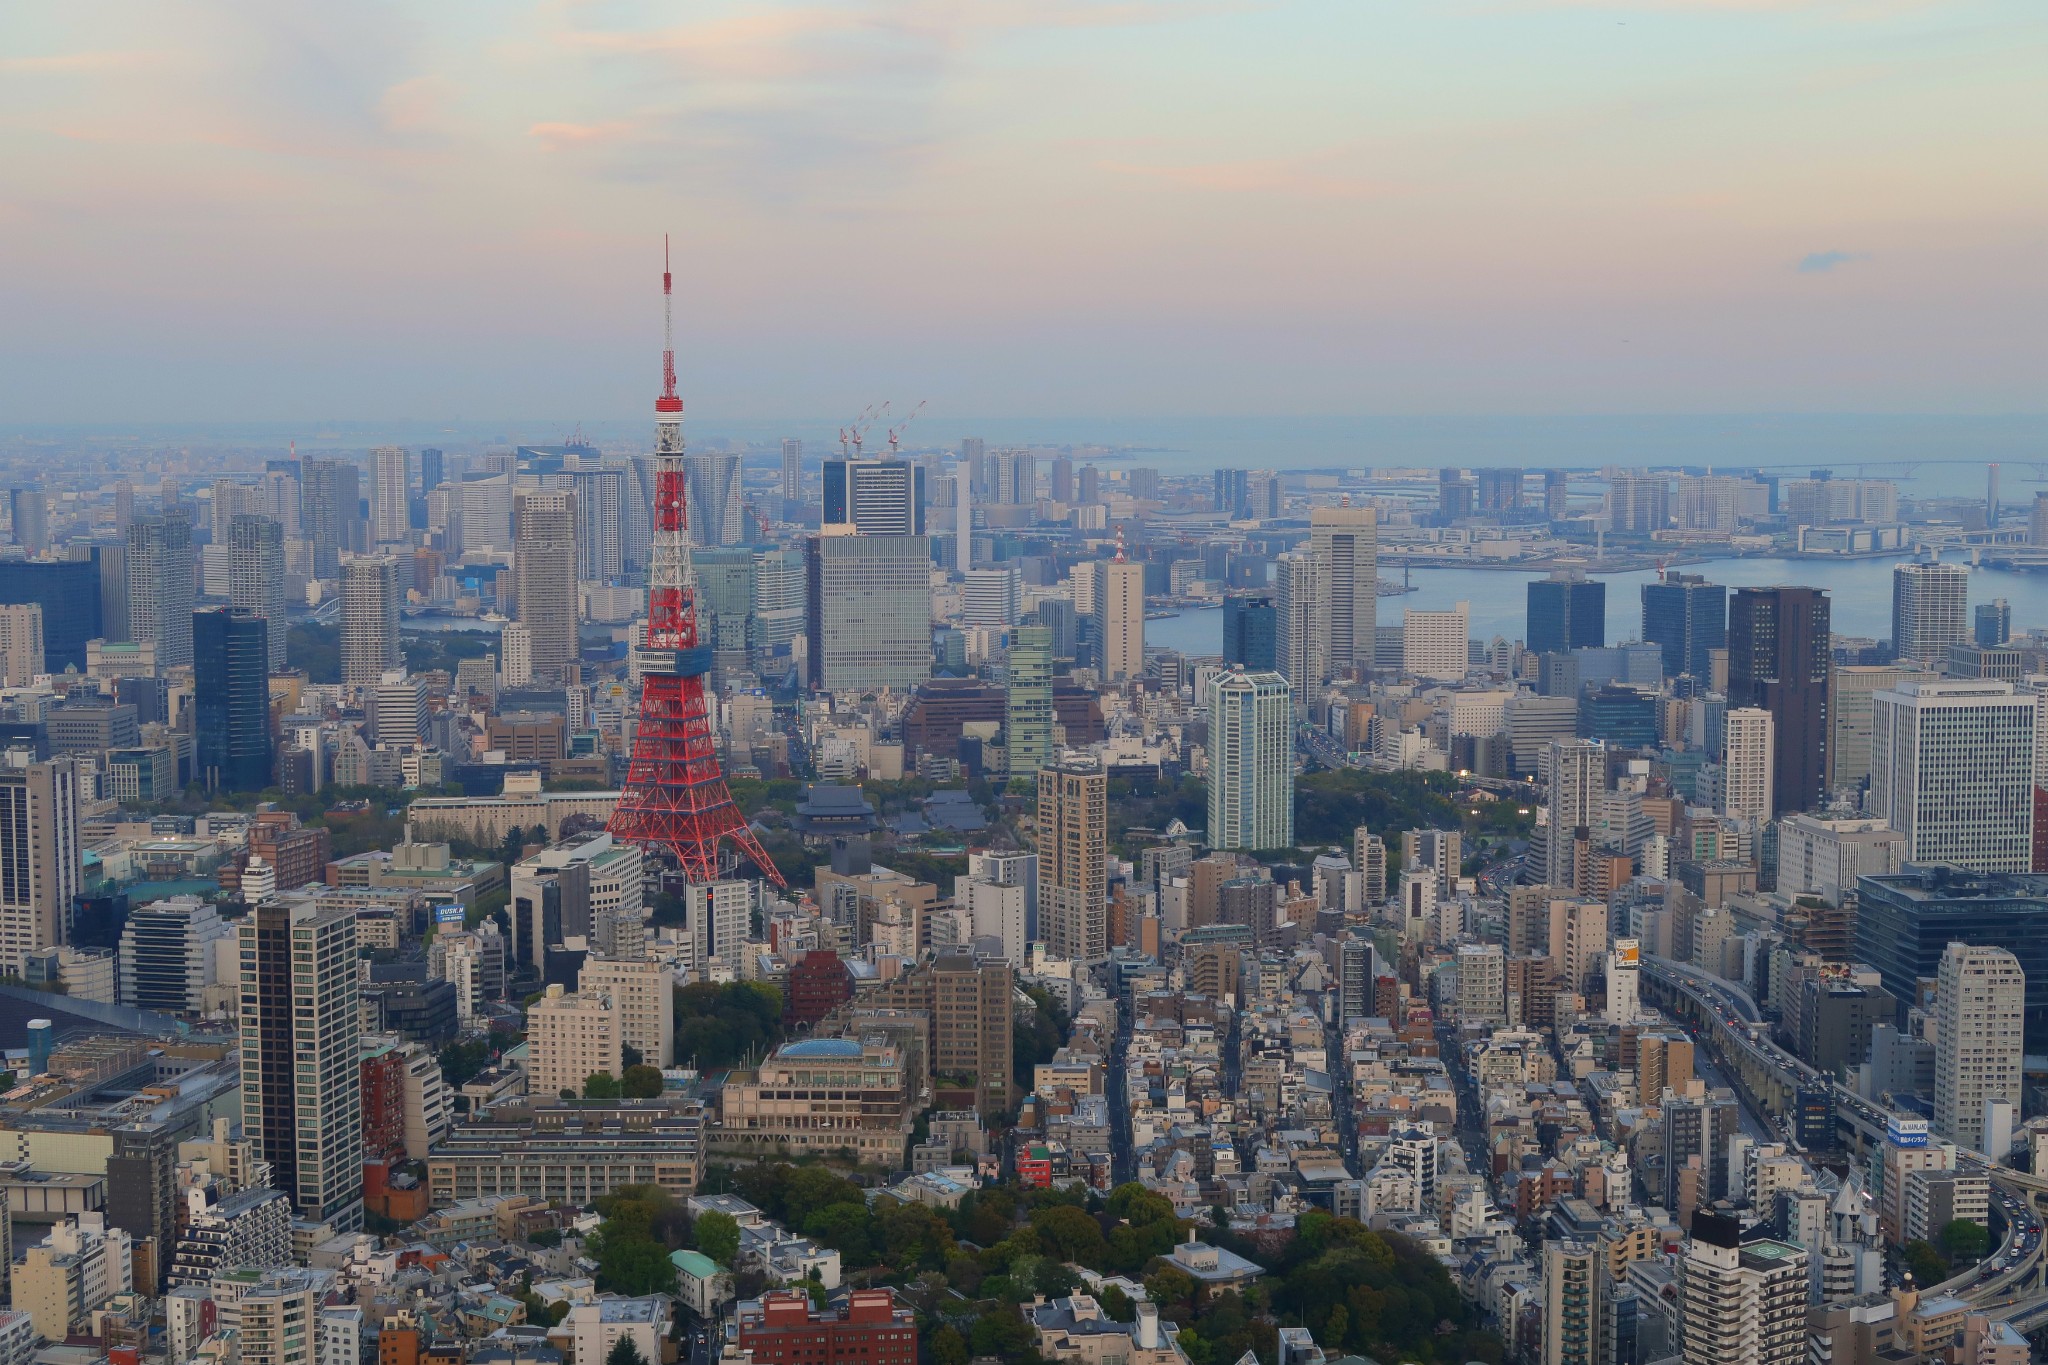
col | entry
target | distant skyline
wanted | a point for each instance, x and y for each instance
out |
(224, 211)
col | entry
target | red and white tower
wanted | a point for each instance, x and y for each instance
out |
(676, 799)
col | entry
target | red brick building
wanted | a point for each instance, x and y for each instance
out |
(818, 984)
(869, 1330)
(298, 852)
(384, 1106)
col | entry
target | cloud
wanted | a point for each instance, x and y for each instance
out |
(1295, 176)
(415, 106)
(1822, 262)
(557, 137)
(81, 63)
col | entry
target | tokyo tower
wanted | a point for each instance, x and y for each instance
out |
(676, 799)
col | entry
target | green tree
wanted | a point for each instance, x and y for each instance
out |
(1925, 1262)
(947, 1346)
(718, 1236)
(1964, 1240)
(641, 1083)
(624, 1352)
(633, 1265)
(600, 1085)
(1072, 1235)
(462, 1062)
(1117, 1304)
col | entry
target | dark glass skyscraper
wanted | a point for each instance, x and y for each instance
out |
(231, 682)
(1567, 611)
(1779, 658)
(1688, 616)
(1250, 623)
(69, 594)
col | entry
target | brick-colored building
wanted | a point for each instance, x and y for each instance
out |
(299, 852)
(384, 1105)
(782, 1329)
(818, 983)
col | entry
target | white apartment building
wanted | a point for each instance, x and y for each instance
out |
(1437, 644)
(1952, 769)
(570, 1038)
(1251, 761)
(643, 993)
(1822, 857)
(1978, 1052)
(1746, 764)
(1930, 611)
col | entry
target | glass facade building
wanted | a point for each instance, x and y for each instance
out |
(1905, 920)
(231, 685)
(1566, 613)
(869, 612)
(69, 594)
(1250, 625)
(1688, 617)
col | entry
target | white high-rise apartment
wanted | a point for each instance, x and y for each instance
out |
(369, 620)
(1930, 611)
(1624, 982)
(1300, 644)
(1746, 764)
(21, 643)
(256, 576)
(1740, 1303)
(515, 655)
(643, 992)
(711, 483)
(1482, 984)
(1251, 761)
(1571, 1319)
(1120, 619)
(301, 1054)
(1952, 769)
(390, 491)
(792, 469)
(1978, 1053)
(1576, 771)
(398, 709)
(998, 910)
(1344, 542)
(41, 859)
(570, 1038)
(1437, 644)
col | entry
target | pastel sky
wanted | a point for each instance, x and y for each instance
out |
(246, 209)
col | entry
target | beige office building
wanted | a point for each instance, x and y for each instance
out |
(1120, 620)
(1344, 542)
(21, 643)
(643, 991)
(369, 620)
(1073, 849)
(569, 1039)
(41, 860)
(544, 578)
(820, 1095)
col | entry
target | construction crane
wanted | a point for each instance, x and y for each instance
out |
(896, 432)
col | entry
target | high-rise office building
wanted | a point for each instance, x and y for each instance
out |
(160, 586)
(1981, 1003)
(1437, 644)
(1500, 490)
(301, 1056)
(391, 495)
(868, 612)
(792, 473)
(988, 597)
(1073, 853)
(1060, 483)
(42, 862)
(1250, 626)
(256, 577)
(69, 592)
(1251, 761)
(1850, 691)
(1638, 503)
(1119, 619)
(600, 523)
(398, 709)
(1952, 769)
(1344, 541)
(1027, 708)
(21, 644)
(1013, 477)
(1992, 624)
(369, 619)
(1688, 617)
(1740, 1302)
(330, 508)
(713, 492)
(973, 455)
(1746, 764)
(1930, 611)
(1780, 653)
(487, 512)
(1567, 611)
(544, 574)
(873, 497)
(231, 699)
(30, 510)
(433, 469)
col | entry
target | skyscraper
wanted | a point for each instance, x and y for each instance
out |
(1073, 852)
(792, 473)
(1344, 541)
(1500, 490)
(600, 524)
(1027, 725)
(874, 497)
(1930, 611)
(69, 592)
(1637, 502)
(391, 495)
(1300, 644)
(1570, 1314)
(1250, 624)
(301, 1082)
(1437, 644)
(1849, 719)
(1952, 769)
(41, 859)
(1577, 771)
(1567, 611)
(256, 577)
(1746, 764)
(1251, 761)
(989, 598)
(1978, 1053)
(973, 453)
(1688, 616)
(868, 612)
(160, 586)
(1779, 657)
(433, 469)
(369, 619)
(1013, 477)
(30, 510)
(1740, 1302)
(544, 578)
(1119, 619)
(1993, 623)
(231, 699)
(330, 506)
(717, 514)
